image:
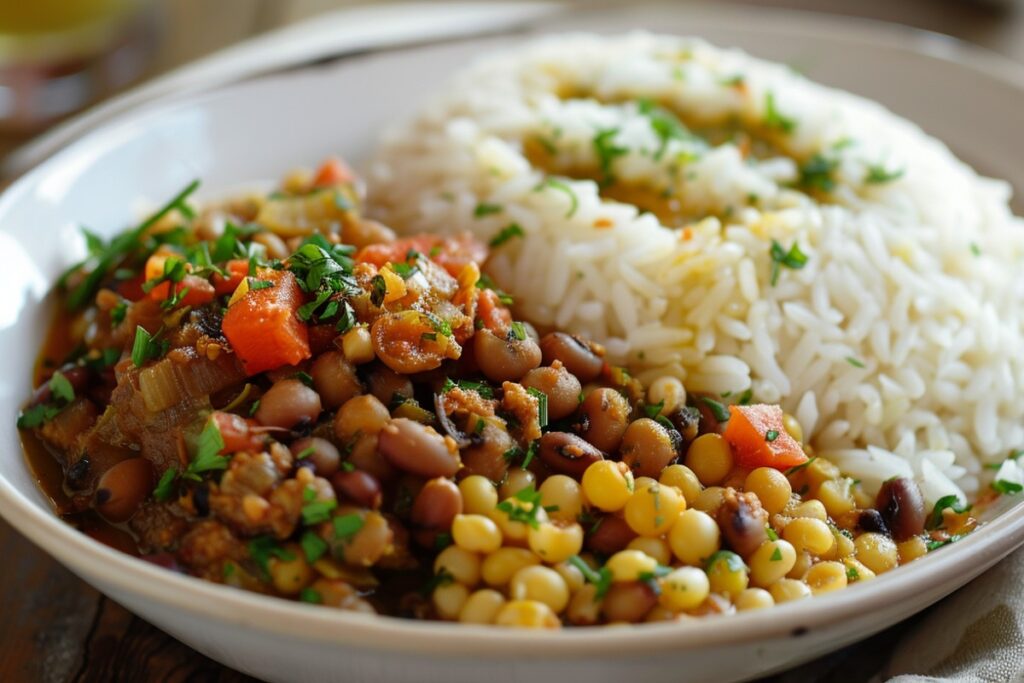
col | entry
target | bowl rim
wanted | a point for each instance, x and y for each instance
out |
(383, 633)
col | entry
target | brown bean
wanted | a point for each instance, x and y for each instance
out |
(607, 415)
(647, 448)
(742, 521)
(559, 385)
(335, 379)
(574, 353)
(322, 453)
(436, 504)
(362, 488)
(123, 488)
(486, 455)
(628, 601)
(366, 457)
(370, 543)
(902, 507)
(610, 536)
(288, 403)
(359, 416)
(566, 453)
(504, 359)
(686, 420)
(385, 384)
(418, 449)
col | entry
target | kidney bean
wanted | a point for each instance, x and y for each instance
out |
(610, 536)
(559, 385)
(288, 403)
(320, 452)
(901, 505)
(436, 504)
(628, 601)
(417, 448)
(575, 354)
(503, 359)
(566, 453)
(362, 488)
(123, 488)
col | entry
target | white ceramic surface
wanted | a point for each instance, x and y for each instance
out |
(255, 130)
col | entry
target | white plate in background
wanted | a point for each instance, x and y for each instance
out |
(256, 130)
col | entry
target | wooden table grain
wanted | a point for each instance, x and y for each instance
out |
(54, 628)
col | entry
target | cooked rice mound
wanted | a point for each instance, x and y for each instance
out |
(722, 219)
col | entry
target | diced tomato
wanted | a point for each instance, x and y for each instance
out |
(452, 253)
(235, 430)
(334, 171)
(490, 311)
(199, 291)
(263, 326)
(131, 288)
(759, 439)
(234, 272)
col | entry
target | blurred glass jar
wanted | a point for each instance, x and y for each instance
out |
(58, 56)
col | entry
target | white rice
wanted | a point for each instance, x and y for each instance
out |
(900, 343)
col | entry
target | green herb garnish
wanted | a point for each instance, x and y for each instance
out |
(793, 259)
(505, 234)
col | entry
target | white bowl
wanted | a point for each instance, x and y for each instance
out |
(258, 129)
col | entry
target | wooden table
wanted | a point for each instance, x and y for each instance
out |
(55, 629)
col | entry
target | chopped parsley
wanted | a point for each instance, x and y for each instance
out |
(733, 562)
(555, 184)
(316, 511)
(165, 487)
(310, 595)
(653, 410)
(525, 513)
(746, 397)
(347, 526)
(104, 256)
(517, 331)
(816, 174)
(482, 209)
(664, 123)
(607, 151)
(877, 174)
(262, 548)
(772, 534)
(542, 405)
(771, 435)
(378, 290)
(793, 259)
(934, 545)
(797, 468)
(720, 412)
(485, 282)
(773, 118)
(531, 452)
(952, 502)
(118, 312)
(1007, 487)
(147, 347)
(776, 556)
(852, 574)
(505, 234)
(313, 547)
(303, 377)
(441, 578)
(324, 272)
(975, 249)
(601, 578)
(208, 448)
(468, 385)
(854, 362)
(404, 270)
